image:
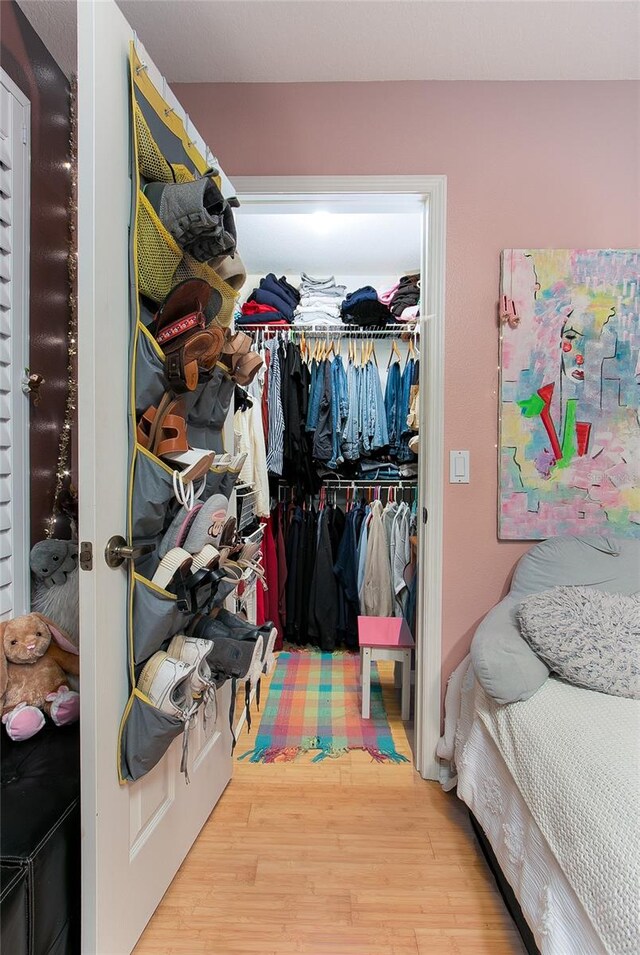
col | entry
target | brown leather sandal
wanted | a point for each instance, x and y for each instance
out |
(186, 358)
(145, 425)
(246, 368)
(169, 441)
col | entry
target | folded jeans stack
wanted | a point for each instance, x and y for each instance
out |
(320, 301)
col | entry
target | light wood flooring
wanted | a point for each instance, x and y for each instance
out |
(343, 857)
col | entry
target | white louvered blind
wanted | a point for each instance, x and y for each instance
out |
(14, 475)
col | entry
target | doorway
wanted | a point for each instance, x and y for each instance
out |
(422, 199)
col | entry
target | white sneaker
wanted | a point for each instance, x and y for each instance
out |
(193, 650)
(174, 561)
(167, 683)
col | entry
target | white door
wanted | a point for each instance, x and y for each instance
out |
(14, 350)
(134, 836)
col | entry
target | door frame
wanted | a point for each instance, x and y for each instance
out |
(20, 406)
(433, 190)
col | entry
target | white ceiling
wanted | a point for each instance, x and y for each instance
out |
(328, 242)
(242, 41)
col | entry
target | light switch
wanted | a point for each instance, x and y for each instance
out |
(458, 467)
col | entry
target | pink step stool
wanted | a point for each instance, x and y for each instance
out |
(385, 638)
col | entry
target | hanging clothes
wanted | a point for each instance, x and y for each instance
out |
(393, 406)
(247, 427)
(375, 599)
(272, 594)
(323, 596)
(339, 410)
(400, 558)
(275, 444)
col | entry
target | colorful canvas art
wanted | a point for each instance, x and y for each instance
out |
(569, 393)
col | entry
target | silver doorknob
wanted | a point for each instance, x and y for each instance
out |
(117, 551)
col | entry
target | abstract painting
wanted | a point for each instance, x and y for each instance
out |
(569, 390)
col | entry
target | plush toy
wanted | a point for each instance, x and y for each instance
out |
(54, 566)
(53, 560)
(33, 665)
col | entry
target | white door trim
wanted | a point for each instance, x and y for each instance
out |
(20, 409)
(431, 467)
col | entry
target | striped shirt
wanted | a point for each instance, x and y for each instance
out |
(276, 417)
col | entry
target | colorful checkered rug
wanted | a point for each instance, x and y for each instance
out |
(314, 704)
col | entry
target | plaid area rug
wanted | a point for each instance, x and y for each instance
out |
(314, 704)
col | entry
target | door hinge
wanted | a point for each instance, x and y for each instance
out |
(86, 555)
(425, 515)
(24, 135)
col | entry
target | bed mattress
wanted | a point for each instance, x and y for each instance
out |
(560, 814)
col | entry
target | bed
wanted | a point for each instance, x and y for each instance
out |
(553, 782)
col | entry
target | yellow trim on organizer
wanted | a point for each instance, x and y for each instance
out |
(153, 458)
(151, 586)
(130, 646)
(142, 329)
(172, 121)
(145, 699)
(125, 716)
(225, 370)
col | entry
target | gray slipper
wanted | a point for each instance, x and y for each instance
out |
(176, 533)
(208, 525)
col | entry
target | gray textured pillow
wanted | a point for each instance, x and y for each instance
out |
(588, 637)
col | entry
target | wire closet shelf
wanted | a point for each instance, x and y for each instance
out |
(332, 331)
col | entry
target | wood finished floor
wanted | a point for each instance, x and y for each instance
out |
(344, 857)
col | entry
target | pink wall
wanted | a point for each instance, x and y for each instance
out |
(537, 165)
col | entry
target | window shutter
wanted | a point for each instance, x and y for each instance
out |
(14, 482)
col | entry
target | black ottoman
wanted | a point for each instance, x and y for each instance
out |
(40, 843)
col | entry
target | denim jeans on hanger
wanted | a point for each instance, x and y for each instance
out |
(351, 430)
(339, 409)
(392, 403)
(323, 437)
(380, 437)
(365, 410)
(404, 452)
(315, 394)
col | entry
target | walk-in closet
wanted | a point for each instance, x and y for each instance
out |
(334, 301)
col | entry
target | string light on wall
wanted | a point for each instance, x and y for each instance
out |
(63, 464)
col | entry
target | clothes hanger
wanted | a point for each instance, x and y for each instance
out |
(395, 353)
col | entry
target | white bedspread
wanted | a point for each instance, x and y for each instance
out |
(575, 756)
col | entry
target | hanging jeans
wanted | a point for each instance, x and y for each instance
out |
(315, 394)
(380, 437)
(392, 402)
(323, 437)
(339, 409)
(351, 430)
(404, 452)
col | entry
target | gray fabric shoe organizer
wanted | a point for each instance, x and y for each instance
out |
(155, 615)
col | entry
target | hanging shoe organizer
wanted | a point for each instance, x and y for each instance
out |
(162, 152)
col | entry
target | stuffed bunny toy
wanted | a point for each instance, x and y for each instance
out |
(32, 676)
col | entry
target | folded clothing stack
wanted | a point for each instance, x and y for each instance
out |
(363, 308)
(407, 295)
(274, 300)
(251, 313)
(403, 298)
(320, 301)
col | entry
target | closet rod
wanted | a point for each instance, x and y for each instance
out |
(382, 482)
(325, 331)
